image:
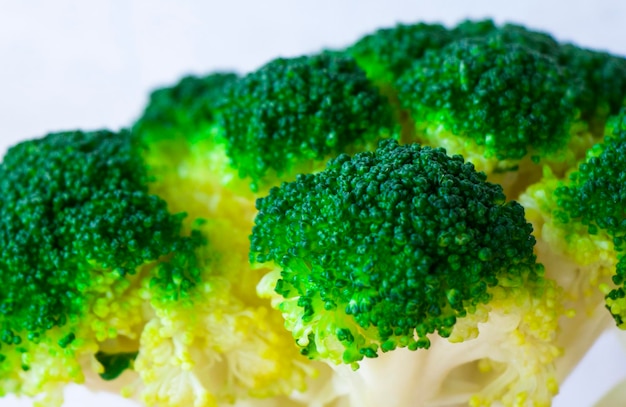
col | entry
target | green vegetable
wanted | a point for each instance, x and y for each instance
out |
(293, 114)
(384, 249)
(504, 99)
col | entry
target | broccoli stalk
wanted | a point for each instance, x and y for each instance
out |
(409, 248)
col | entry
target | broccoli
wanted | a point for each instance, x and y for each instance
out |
(577, 222)
(504, 96)
(100, 274)
(185, 110)
(292, 115)
(491, 101)
(165, 262)
(604, 79)
(72, 256)
(382, 250)
(580, 218)
(389, 52)
(180, 127)
(237, 137)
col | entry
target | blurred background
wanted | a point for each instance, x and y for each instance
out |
(68, 64)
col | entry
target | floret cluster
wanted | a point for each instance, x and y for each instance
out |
(429, 217)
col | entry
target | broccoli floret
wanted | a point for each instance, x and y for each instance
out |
(604, 79)
(387, 53)
(594, 198)
(185, 110)
(78, 224)
(292, 115)
(503, 106)
(577, 221)
(504, 99)
(384, 249)
(65, 206)
(97, 272)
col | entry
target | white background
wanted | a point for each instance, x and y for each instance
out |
(90, 64)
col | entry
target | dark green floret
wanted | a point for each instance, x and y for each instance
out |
(75, 205)
(505, 97)
(401, 242)
(184, 110)
(297, 110)
(389, 52)
(596, 196)
(604, 78)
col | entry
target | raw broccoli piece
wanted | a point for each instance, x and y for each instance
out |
(387, 53)
(577, 223)
(79, 228)
(292, 115)
(185, 110)
(594, 198)
(385, 249)
(501, 105)
(604, 79)
(503, 100)
(100, 277)
(180, 128)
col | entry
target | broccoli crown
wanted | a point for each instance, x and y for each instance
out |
(403, 241)
(595, 197)
(603, 76)
(388, 52)
(183, 109)
(505, 97)
(74, 206)
(293, 110)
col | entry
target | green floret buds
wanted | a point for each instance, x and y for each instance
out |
(185, 110)
(292, 112)
(604, 78)
(388, 52)
(382, 249)
(595, 197)
(506, 98)
(76, 207)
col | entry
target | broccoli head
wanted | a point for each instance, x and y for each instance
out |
(100, 274)
(384, 249)
(604, 78)
(594, 198)
(389, 52)
(578, 225)
(185, 110)
(78, 229)
(292, 115)
(489, 100)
